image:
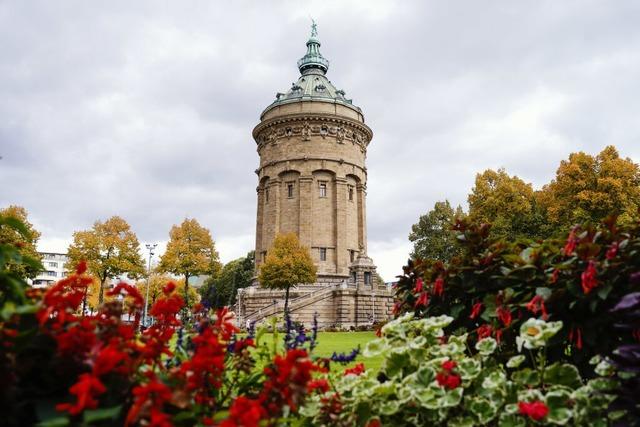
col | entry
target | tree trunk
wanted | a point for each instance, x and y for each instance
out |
(286, 301)
(101, 292)
(186, 291)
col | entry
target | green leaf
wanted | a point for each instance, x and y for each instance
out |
(395, 362)
(515, 361)
(54, 422)
(562, 374)
(511, 420)
(486, 346)
(526, 377)
(604, 290)
(483, 409)
(93, 415)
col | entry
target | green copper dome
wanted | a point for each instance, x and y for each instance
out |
(313, 85)
(313, 58)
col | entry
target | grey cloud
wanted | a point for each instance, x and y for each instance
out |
(146, 110)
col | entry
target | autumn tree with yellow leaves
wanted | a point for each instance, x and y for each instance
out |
(110, 249)
(26, 242)
(157, 282)
(190, 252)
(590, 188)
(288, 263)
(507, 203)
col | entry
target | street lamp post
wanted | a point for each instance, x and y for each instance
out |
(151, 248)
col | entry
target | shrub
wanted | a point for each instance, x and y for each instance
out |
(497, 285)
(429, 378)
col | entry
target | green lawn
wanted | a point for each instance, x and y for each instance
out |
(340, 342)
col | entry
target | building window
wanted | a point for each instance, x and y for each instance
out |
(323, 254)
(367, 278)
(266, 195)
(264, 256)
(290, 190)
(53, 264)
(351, 193)
(353, 276)
(352, 255)
(323, 189)
(52, 274)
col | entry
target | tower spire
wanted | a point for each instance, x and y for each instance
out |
(313, 59)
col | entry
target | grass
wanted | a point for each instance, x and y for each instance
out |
(340, 342)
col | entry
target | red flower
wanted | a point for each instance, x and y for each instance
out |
(576, 336)
(419, 285)
(537, 305)
(422, 300)
(287, 380)
(570, 246)
(438, 287)
(536, 410)
(374, 423)
(356, 370)
(320, 384)
(484, 331)
(81, 267)
(108, 360)
(504, 314)
(448, 380)
(499, 335)
(244, 412)
(476, 310)
(155, 394)
(168, 288)
(86, 390)
(130, 291)
(612, 251)
(554, 275)
(449, 365)
(589, 279)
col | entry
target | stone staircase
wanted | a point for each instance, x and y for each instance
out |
(295, 304)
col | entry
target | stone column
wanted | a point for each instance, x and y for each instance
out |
(305, 220)
(272, 215)
(342, 258)
(259, 223)
(362, 217)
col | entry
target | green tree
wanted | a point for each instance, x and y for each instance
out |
(110, 249)
(590, 188)
(288, 263)
(25, 238)
(190, 252)
(506, 202)
(433, 237)
(222, 288)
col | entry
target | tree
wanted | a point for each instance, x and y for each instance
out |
(157, 282)
(25, 242)
(190, 252)
(433, 237)
(288, 263)
(588, 188)
(506, 202)
(221, 289)
(110, 248)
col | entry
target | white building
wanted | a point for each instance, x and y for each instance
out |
(53, 264)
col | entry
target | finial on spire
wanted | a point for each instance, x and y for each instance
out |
(313, 60)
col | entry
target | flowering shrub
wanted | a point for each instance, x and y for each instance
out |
(428, 378)
(60, 367)
(495, 286)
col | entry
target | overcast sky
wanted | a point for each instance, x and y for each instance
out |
(145, 109)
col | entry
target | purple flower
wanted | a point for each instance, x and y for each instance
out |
(345, 358)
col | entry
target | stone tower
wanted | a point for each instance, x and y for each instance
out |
(312, 181)
(312, 143)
